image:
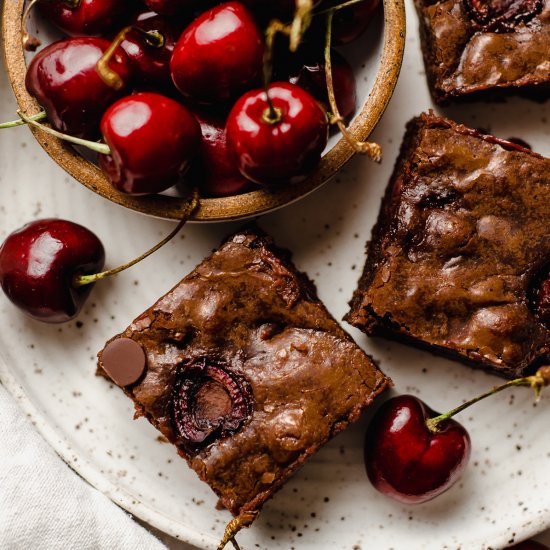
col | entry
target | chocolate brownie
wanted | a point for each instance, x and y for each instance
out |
(460, 249)
(243, 369)
(486, 48)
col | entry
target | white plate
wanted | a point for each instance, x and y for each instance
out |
(329, 504)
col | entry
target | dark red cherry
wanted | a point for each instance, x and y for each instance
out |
(528, 545)
(63, 78)
(542, 302)
(208, 402)
(312, 77)
(84, 17)
(217, 173)
(502, 15)
(351, 22)
(152, 139)
(39, 262)
(149, 62)
(407, 461)
(170, 7)
(219, 55)
(280, 147)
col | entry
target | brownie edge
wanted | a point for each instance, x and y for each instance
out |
(462, 240)
(247, 373)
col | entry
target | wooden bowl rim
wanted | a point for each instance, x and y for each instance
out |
(254, 203)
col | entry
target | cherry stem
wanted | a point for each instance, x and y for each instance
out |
(537, 381)
(101, 148)
(110, 77)
(244, 519)
(81, 280)
(14, 123)
(275, 27)
(338, 7)
(300, 23)
(30, 42)
(373, 150)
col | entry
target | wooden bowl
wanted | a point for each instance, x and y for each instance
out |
(228, 208)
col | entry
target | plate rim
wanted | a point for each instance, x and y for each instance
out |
(81, 466)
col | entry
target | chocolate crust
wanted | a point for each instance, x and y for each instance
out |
(465, 62)
(250, 312)
(462, 237)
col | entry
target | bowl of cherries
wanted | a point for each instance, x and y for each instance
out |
(252, 104)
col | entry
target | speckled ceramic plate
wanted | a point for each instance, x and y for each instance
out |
(329, 504)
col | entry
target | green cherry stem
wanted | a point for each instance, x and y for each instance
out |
(373, 150)
(101, 148)
(20, 122)
(81, 280)
(537, 381)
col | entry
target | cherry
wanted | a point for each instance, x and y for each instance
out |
(38, 263)
(351, 22)
(218, 173)
(219, 55)
(150, 62)
(151, 139)
(208, 402)
(63, 78)
(414, 454)
(311, 76)
(169, 7)
(542, 302)
(84, 17)
(407, 461)
(279, 142)
(502, 15)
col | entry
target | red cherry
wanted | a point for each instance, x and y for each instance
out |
(38, 263)
(169, 7)
(351, 22)
(63, 78)
(311, 76)
(87, 17)
(528, 545)
(218, 173)
(219, 55)
(407, 461)
(152, 139)
(542, 302)
(151, 64)
(281, 150)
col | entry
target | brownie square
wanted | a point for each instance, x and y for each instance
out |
(460, 246)
(485, 49)
(246, 372)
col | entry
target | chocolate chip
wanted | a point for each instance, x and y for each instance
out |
(124, 361)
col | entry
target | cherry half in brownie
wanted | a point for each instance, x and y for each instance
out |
(459, 259)
(482, 49)
(243, 369)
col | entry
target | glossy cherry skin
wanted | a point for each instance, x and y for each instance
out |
(150, 64)
(285, 151)
(219, 55)
(170, 7)
(351, 22)
(88, 18)
(38, 263)
(152, 140)
(217, 174)
(311, 76)
(405, 460)
(64, 80)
